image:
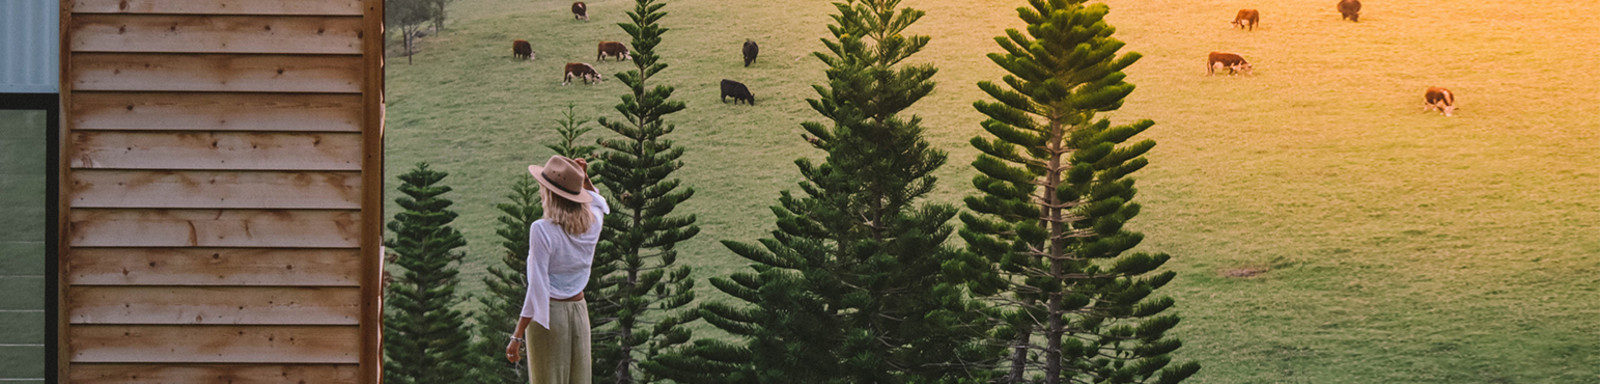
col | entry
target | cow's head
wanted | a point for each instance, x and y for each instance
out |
(1244, 68)
(1449, 110)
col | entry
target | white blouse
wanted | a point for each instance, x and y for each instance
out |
(558, 263)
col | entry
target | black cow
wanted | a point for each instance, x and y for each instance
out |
(737, 91)
(522, 50)
(750, 52)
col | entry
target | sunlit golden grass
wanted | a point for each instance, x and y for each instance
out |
(1398, 246)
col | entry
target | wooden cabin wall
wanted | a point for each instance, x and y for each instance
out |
(222, 177)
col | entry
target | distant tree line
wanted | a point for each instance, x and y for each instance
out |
(409, 16)
(858, 283)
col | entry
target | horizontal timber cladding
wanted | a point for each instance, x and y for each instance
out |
(214, 305)
(221, 7)
(216, 151)
(220, 191)
(214, 267)
(216, 34)
(93, 188)
(213, 228)
(171, 111)
(214, 373)
(214, 343)
(215, 72)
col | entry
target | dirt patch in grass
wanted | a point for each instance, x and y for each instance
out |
(1240, 272)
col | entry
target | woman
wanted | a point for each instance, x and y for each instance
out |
(560, 250)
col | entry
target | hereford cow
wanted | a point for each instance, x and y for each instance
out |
(1441, 99)
(612, 48)
(1247, 18)
(582, 70)
(1233, 61)
(522, 50)
(1350, 9)
(737, 91)
(750, 52)
(580, 11)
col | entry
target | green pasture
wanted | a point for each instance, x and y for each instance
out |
(1381, 244)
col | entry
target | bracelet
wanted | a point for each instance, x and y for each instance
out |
(519, 340)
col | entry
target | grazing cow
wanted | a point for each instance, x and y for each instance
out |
(1233, 61)
(522, 50)
(750, 52)
(1350, 10)
(580, 11)
(1441, 99)
(612, 48)
(583, 70)
(737, 91)
(1247, 18)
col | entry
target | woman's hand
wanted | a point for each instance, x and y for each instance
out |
(585, 165)
(514, 351)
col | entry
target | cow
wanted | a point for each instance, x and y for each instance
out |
(750, 52)
(611, 48)
(737, 91)
(1233, 61)
(1350, 10)
(582, 70)
(1441, 99)
(580, 11)
(1247, 18)
(522, 50)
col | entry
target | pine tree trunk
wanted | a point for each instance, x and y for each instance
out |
(1052, 351)
(1019, 356)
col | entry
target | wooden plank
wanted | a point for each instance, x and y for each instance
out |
(372, 200)
(216, 34)
(213, 228)
(216, 112)
(214, 305)
(216, 151)
(63, 354)
(213, 373)
(215, 72)
(213, 266)
(215, 189)
(222, 7)
(214, 344)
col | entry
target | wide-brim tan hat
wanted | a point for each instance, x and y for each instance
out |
(562, 177)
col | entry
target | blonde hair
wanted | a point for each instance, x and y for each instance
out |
(573, 217)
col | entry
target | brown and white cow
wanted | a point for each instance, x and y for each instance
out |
(612, 48)
(581, 70)
(1441, 99)
(1350, 10)
(580, 11)
(1233, 61)
(1247, 18)
(522, 50)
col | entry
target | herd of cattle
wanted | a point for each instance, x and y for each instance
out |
(522, 50)
(1434, 98)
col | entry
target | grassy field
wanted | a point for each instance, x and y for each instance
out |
(1392, 245)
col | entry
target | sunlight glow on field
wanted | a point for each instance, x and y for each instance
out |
(1392, 245)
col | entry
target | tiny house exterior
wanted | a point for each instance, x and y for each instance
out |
(214, 203)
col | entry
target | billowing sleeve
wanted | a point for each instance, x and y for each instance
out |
(599, 203)
(536, 305)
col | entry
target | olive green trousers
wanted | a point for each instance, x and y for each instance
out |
(560, 355)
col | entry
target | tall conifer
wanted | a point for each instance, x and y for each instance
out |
(1055, 195)
(851, 287)
(638, 292)
(425, 339)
